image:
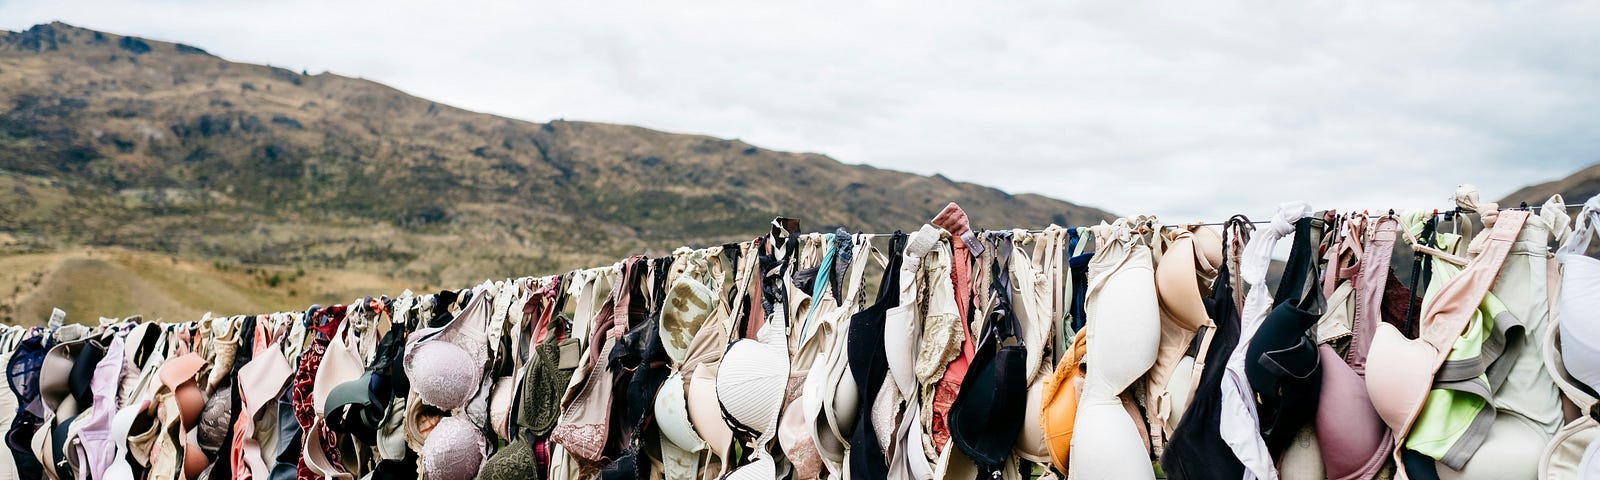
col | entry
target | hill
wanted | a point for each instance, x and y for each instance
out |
(1575, 188)
(119, 142)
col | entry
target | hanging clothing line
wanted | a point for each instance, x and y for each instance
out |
(1446, 213)
(997, 355)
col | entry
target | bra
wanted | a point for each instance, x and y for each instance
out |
(8, 411)
(829, 396)
(1579, 305)
(268, 371)
(1182, 275)
(795, 430)
(1196, 449)
(94, 440)
(1036, 284)
(1281, 361)
(1060, 402)
(753, 380)
(643, 365)
(869, 366)
(954, 220)
(551, 367)
(585, 424)
(445, 364)
(1406, 368)
(181, 404)
(1567, 456)
(1240, 423)
(1353, 439)
(64, 390)
(987, 415)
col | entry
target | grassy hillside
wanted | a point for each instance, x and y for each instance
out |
(130, 144)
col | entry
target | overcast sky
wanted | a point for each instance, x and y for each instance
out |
(1187, 110)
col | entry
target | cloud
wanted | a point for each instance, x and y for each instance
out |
(1190, 111)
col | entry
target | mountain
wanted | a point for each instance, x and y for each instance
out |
(1575, 188)
(113, 143)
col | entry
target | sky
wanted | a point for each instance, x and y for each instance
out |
(1189, 110)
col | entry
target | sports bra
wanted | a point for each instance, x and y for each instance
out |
(1405, 368)
(1460, 416)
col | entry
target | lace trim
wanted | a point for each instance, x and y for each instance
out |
(584, 441)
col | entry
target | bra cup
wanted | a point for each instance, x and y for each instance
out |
(762, 469)
(799, 445)
(1580, 330)
(504, 393)
(1031, 442)
(448, 379)
(1563, 458)
(672, 414)
(705, 413)
(688, 305)
(1352, 437)
(846, 400)
(1179, 387)
(1304, 458)
(987, 418)
(831, 388)
(1398, 375)
(954, 465)
(1060, 403)
(1511, 452)
(340, 364)
(454, 450)
(751, 384)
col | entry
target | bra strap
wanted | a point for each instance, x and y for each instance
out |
(1577, 243)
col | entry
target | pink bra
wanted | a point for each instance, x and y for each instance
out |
(1353, 439)
(1405, 367)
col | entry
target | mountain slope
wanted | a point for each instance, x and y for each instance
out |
(115, 141)
(1575, 188)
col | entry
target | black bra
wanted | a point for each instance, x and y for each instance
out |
(1282, 363)
(869, 365)
(988, 412)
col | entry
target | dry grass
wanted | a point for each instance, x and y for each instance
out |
(91, 283)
